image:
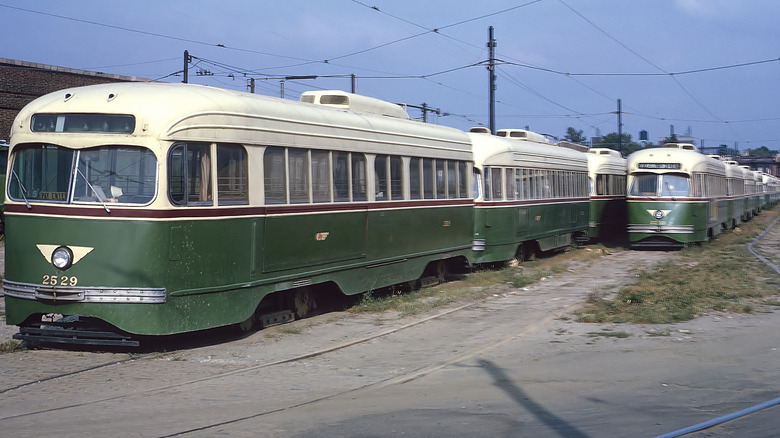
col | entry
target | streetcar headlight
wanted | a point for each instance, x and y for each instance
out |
(62, 258)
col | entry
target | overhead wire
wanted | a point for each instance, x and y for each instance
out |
(237, 70)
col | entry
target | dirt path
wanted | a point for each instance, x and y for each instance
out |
(515, 363)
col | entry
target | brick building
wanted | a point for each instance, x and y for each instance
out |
(21, 82)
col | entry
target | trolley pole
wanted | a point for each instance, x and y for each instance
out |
(186, 66)
(492, 72)
(620, 128)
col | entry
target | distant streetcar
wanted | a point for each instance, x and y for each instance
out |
(676, 196)
(607, 187)
(3, 166)
(530, 195)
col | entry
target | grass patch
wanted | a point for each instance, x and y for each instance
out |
(475, 286)
(717, 276)
(609, 334)
(720, 275)
(11, 346)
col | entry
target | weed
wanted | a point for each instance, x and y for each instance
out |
(290, 330)
(609, 334)
(12, 346)
(718, 276)
(658, 333)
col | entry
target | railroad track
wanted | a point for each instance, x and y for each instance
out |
(74, 378)
(159, 375)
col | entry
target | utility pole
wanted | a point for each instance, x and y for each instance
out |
(354, 83)
(492, 71)
(620, 128)
(186, 66)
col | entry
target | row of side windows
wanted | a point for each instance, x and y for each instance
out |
(298, 176)
(190, 172)
(321, 176)
(706, 185)
(609, 185)
(527, 184)
(340, 176)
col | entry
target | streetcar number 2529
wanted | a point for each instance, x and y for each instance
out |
(59, 280)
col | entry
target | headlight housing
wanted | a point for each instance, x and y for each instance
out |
(62, 258)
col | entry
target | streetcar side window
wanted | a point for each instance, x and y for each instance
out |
(463, 182)
(495, 179)
(274, 176)
(380, 175)
(452, 180)
(232, 184)
(428, 178)
(189, 174)
(396, 178)
(359, 186)
(441, 183)
(511, 187)
(388, 171)
(341, 176)
(320, 176)
(298, 168)
(415, 180)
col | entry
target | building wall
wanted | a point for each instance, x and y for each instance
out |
(21, 82)
(770, 165)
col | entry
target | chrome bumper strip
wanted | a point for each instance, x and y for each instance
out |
(661, 229)
(39, 292)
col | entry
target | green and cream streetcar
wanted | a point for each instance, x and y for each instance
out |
(676, 196)
(153, 209)
(530, 195)
(607, 186)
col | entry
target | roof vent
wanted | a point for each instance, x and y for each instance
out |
(522, 134)
(354, 102)
(686, 146)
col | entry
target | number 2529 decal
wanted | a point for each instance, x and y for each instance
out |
(59, 280)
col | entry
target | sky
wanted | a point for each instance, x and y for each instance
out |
(708, 68)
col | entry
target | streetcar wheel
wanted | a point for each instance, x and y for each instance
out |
(526, 252)
(247, 325)
(441, 271)
(303, 303)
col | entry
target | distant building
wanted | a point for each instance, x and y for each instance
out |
(21, 82)
(680, 139)
(770, 165)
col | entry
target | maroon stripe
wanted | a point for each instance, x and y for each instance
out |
(200, 212)
(606, 197)
(530, 202)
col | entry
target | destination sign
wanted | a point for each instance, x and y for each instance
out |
(659, 165)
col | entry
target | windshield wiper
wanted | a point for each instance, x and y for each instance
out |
(23, 191)
(94, 192)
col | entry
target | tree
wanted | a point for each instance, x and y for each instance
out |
(671, 139)
(610, 141)
(575, 136)
(763, 151)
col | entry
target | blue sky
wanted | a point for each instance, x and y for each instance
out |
(710, 67)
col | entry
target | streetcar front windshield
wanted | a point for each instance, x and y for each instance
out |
(657, 185)
(50, 173)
